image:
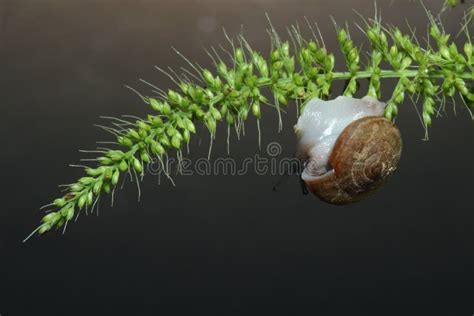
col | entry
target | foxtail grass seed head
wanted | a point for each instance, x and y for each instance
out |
(429, 73)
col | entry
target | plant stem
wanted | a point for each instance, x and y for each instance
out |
(395, 74)
(384, 74)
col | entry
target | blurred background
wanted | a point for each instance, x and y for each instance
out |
(224, 245)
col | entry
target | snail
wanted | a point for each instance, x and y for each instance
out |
(349, 149)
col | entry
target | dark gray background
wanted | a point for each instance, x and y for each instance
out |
(213, 245)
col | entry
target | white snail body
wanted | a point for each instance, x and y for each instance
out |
(348, 147)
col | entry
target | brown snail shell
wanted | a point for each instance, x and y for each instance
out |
(364, 156)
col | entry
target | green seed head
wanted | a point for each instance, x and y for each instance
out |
(115, 177)
(137, 165)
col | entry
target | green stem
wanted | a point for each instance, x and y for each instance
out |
(395, 74)
(384, 74)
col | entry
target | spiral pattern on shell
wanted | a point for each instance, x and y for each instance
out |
(364, 156)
